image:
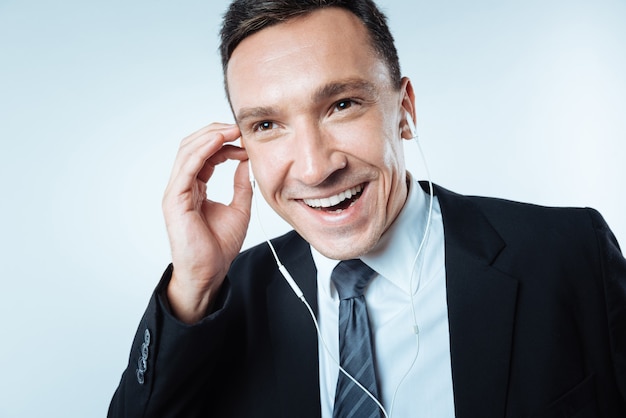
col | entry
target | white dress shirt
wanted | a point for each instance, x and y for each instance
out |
(413, 369)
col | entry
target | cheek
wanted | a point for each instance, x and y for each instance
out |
(394, 153)
(382, 147)
(393, 143)
(269, 169)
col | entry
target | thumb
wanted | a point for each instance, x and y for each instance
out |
(242, 193)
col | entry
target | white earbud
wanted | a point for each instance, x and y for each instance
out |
(412, 129)
(251, 175)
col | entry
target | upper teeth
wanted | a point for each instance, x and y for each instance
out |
(333, 200)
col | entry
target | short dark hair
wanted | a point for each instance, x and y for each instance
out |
(245, 17)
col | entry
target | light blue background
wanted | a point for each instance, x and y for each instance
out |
(522, 100)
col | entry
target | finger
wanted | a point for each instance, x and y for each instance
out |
(203, 143)
(209, 129)
(227, 152)
(242, 189)
(200, 145)
(197, 148)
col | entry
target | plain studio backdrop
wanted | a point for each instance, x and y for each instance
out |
(523, 100)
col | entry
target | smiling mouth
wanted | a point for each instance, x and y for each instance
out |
(338, 202)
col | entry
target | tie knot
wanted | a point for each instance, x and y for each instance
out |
(351, 278)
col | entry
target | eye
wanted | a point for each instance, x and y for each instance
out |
(344, 104)
(266, 125)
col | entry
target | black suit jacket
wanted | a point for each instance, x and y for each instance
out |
(536, 308)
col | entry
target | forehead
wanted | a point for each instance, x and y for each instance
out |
(306, 51)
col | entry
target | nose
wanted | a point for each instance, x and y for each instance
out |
(315, 155)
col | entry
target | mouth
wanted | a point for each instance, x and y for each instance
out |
(336, 203)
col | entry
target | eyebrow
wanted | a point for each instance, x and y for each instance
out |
(258, 112)
(336, 88)
(324, 92)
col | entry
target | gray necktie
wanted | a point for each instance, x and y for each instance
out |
(355, 343)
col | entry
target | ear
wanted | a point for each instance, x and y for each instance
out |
(408, 107)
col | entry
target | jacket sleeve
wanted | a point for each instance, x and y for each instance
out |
(613, 267)
(172, 365)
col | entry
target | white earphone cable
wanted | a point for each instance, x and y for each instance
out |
(300, 295)
(413, 265)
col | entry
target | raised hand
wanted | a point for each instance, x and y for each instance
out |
(205, 236)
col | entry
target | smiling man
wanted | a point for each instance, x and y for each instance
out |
(321, 116)
(471, 307)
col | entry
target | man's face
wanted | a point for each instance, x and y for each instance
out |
(323, 127)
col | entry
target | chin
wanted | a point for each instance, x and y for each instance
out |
(344, 249)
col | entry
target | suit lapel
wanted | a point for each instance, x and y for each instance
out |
(293, 335)
(481, 309)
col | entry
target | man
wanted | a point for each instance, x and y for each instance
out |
(477, 307)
